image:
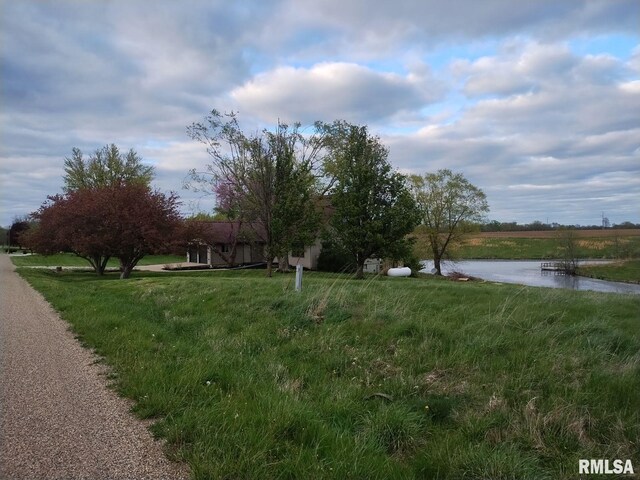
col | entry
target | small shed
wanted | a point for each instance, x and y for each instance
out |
(372, 265)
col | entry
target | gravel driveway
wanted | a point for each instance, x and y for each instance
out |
(58, 419)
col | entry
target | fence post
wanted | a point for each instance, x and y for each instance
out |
(298, 278)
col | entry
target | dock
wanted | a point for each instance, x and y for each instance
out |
(560, 268)
(551, 266)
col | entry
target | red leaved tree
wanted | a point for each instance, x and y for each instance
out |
(126, 221)
(72, 223)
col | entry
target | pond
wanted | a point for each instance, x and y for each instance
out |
(528, 272)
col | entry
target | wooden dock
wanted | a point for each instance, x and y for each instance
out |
(559, 268)
(551, 266)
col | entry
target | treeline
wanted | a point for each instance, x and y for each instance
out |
(291, 188)
(536, 226)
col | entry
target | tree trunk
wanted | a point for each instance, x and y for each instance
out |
(436, 265)
(127, 266)
(269, 267)
(96, 263)
(126, 272)
(283, 264)
(103, 265)
(360, 271)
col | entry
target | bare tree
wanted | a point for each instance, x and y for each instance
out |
(569, 253)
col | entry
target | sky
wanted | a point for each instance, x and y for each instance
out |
(536, 102)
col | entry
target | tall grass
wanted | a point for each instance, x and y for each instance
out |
(382, 378)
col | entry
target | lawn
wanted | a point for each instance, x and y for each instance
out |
(381, 378)
(70, 260)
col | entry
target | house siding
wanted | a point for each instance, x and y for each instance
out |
(310, 259)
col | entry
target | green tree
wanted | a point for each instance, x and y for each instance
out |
(296, 214)
(266, 180)
(106, 167)
(19, 227)
(373, 208)
(449, 206)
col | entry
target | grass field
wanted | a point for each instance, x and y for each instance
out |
(375, 379)
(609, 244)
(70, 260)
(622, 271)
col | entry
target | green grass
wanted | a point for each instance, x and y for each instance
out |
(70, 260)
(623, 271)
(514, 248)
(375, 379)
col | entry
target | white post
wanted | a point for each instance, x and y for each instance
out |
(298, 278)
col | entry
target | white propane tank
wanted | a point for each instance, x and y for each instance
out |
(399, 272)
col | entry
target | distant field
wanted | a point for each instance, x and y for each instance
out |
(605, 244)
(608, 233)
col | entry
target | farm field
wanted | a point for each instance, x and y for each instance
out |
(595, 244)
(382, 378)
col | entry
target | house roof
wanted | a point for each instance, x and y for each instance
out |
(213, 232)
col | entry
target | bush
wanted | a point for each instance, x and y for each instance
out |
(414, 263)
(335, 259)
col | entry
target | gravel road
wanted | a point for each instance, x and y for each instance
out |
(58, 418)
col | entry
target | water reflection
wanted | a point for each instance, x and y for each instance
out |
(527, 272)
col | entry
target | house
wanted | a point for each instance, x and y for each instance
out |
(217, 242)
(307, 256)
(230, 243)
(226, 243)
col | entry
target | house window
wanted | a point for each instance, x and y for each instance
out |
(225, 248)
(297, 250)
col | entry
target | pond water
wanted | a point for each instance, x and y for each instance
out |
(528, 272)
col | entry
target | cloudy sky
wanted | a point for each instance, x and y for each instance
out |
(537, 102)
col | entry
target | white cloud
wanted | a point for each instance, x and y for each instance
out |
(526, 110)
(329, 91)
(362, 29)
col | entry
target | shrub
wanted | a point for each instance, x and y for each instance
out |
(335, 259)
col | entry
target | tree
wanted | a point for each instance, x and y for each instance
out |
(106, 167)
(373, 208)
(569, 251)
(125, 221)
(296, 214)
(448, 205)
(4, 235)
(17, 230)
(73, 223)
(265, 180)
